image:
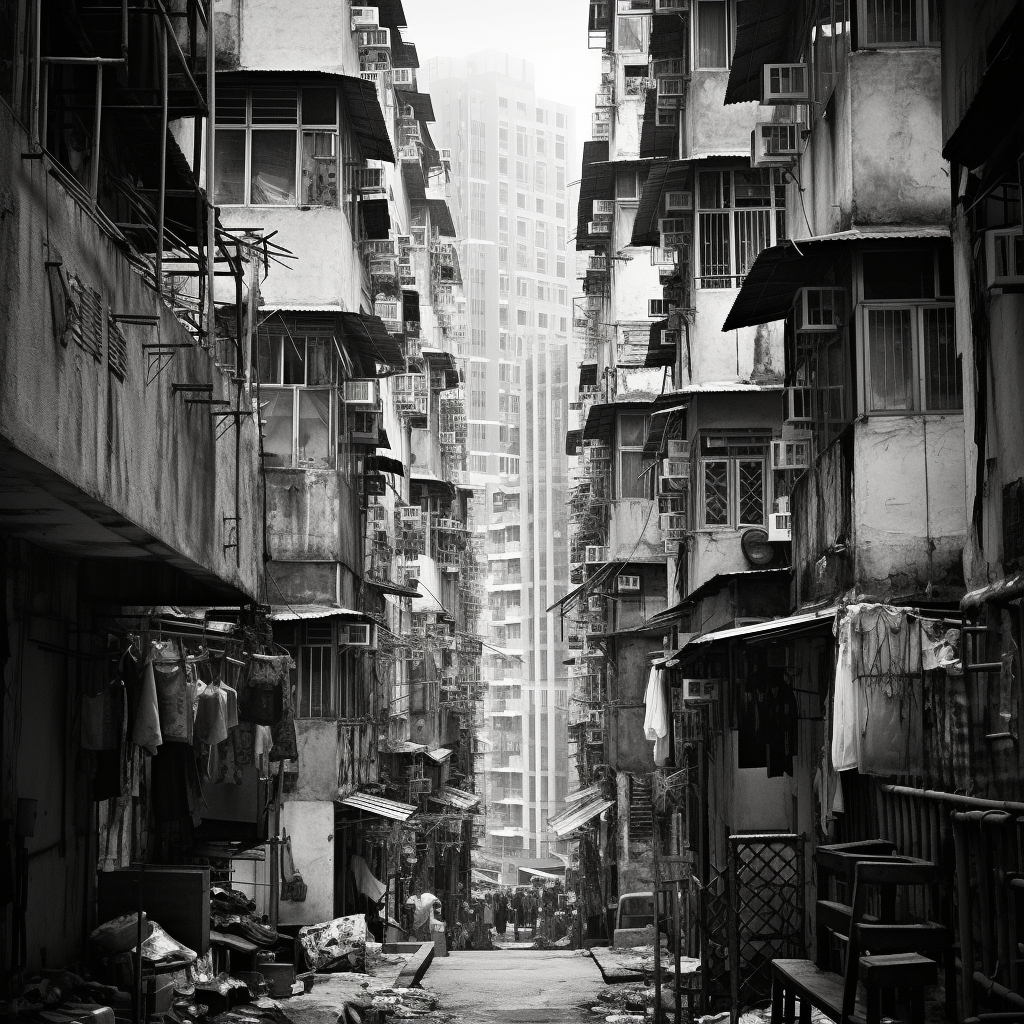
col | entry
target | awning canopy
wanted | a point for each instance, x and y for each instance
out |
(439, 754)
(723, 579)
(419, 101)
(597, 181)
(402, 747)
(366, 118)
(590, 793)
(537, 873)
(448, 796)
(656, 140)
(385, 464)
(415, 185)
(372, 804)
(403, 54)
(367, 334)
(390, 14)
(658, 354)
(441, 217)
(779, 271)
(668, 37)
(1008, 589)
(303, 612)
(655, 440)
(394, 589)
(578, 815)
(376, 218)
(676, 175)
(761, 36)
(823, 619)
(600, 425)
(588, 375)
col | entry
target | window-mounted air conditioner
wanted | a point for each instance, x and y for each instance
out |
(678, 199)
(383, 266)
(361, 392)
(604, 207)
(599, 227)
(370, 181)
(365, 18)
(380, 247)
(668, 68)
(670, 6)
(677, 449)
(799, 405)
(446, 155)
(624, 7)
(595, 554)
(377, 514)
(357, 634)
(372, 38)
(659, 307)
(819, 309)
(775, 144)
(672, 523)
(627, 584)
(791, 454)
(671, 88)
(675, 468)
(595, 603)
(674, 226)
(785, 83)
(446, 437)
(675, 503)
(403, 76)
(410, 516)
(1004, 257)
(780, 526)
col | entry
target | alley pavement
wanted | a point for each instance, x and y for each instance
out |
(529, 986)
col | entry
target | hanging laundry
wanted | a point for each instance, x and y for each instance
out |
(366, 882)
(656, 723)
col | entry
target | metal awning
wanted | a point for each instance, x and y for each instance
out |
(674, 175)
(385, 464)
(441, 217)
(439, 754)
(779, 271)
(590, 793)
(302, 612)
(376, 218)
(403, 54)
(656, 140)
(537, 873)
(380, 806)
(394, 589)
(825, 618)
(366, 118)
(419, 101)
(658, 354)
(448, 796)
(367, 334)
(574, 817)
(390, 14)
(415, 184)
(600, 425)
(723, 579)
(597, 181)
(761, 36)
(402, 747)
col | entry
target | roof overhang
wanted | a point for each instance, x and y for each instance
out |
(383, 808)
(578, 815)
(822, 620)
(761, 35)
(781, 270)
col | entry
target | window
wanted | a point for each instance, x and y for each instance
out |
(733, 482)
(522, 256)
(522, 172)
(503, 193)
(897, 23)
(633, 479)
(560, 211)
(508, 464)
(314, 678)
(503, 284)
(522, 144)
(563, 324)
(521, 200)
(541, 116)
(521, 108)
(542, 262)
(503, 315)
(739, 214)
(561, 239)
(542, 144)
(562, 296)
(503, 138)
(543, 291)
(625, 183)
(522, 227)
(829, 45)
(277, 146)
(631, 34)
(540, 177)
(560, 267)
(540, 235)
(523, 287)
(503, 165)
(559, 120)
(713, 49)
(559, 180)
(911, 359)
(503, 103)
(503, 255)
(478, 463)
(559, 147)
(540, 205)
(522, 317)
(542, 321)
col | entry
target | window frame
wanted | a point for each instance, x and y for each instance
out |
(733, 459)
(730, 35)
(927, 33)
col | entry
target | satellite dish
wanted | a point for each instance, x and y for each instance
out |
(756, 549)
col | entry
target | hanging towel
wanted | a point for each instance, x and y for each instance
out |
(656, 718)
(371, 887)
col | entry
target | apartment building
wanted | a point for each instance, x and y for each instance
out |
(512, 153)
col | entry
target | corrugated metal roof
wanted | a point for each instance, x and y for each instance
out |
(784, 625)
(296, 612)
(761, 38)
(439, 754)
(584, 794)
(725, 386)
(451, 797)
(403, 747)
(572, 818)
(380, 806)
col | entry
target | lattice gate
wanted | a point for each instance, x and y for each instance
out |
(713, 929)
(766, 911)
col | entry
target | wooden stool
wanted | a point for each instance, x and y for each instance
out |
(887, 972)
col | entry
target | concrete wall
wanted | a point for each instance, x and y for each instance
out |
(711, 127)
(132, 453)
(312, 514)
(910, 513)
(310, 824)
(633, 531)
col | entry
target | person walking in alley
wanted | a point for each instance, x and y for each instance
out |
(501, 913)
(517, 913)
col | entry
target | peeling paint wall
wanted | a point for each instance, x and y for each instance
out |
(711, 127)
(633, 531)
(310, 824)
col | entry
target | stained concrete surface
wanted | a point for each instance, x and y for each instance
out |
(530, 986)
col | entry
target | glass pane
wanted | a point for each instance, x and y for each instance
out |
(716, 493)
(715, 262)
(751, 492)
(314, 430)
(753, 188)
(712, 35)
(265, 363)
(275, 105)
(632, 431)
(709, 197)
(753, 233)
(889, 21)
(890, 357)
(633, 482)
(319, 169)
(277, 411)
(230, 104)
(292, 342)
(229, 168)
(630, 33)
(943, 380)
(319, 106)
(272, 176)
(625, 184)
(319, 361)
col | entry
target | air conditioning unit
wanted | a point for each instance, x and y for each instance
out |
(410, 516)
(669, 339)
(596, 627)
(383, 266)
(780, 526)
(370, 181)
(678, 199)
(595, 603)
(377, 514)
(671, 87)
(785, 83)
(599, 227)
(672, 523)
(446, 155)
(357, 634)
(403, 76)
(670, 6)
(1004, 257)
(604, 207)
(799, 405)
(627, 584)
(595, 554)
(361, 392)
(659, 307)
(365, 18)
(819, 309)
(668, 68)
(675, 468)
(677, 449)
(791, 454)
(380, 247)
(775, 144)
(372, 38)
(447, 437)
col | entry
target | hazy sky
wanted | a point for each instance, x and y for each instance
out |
(552, 34)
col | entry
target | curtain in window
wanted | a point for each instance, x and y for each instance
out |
(229, 167)
(272, 174)
(319, 169)
(278, 405)
(890, 355)
(712, 34)
(315, 429)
